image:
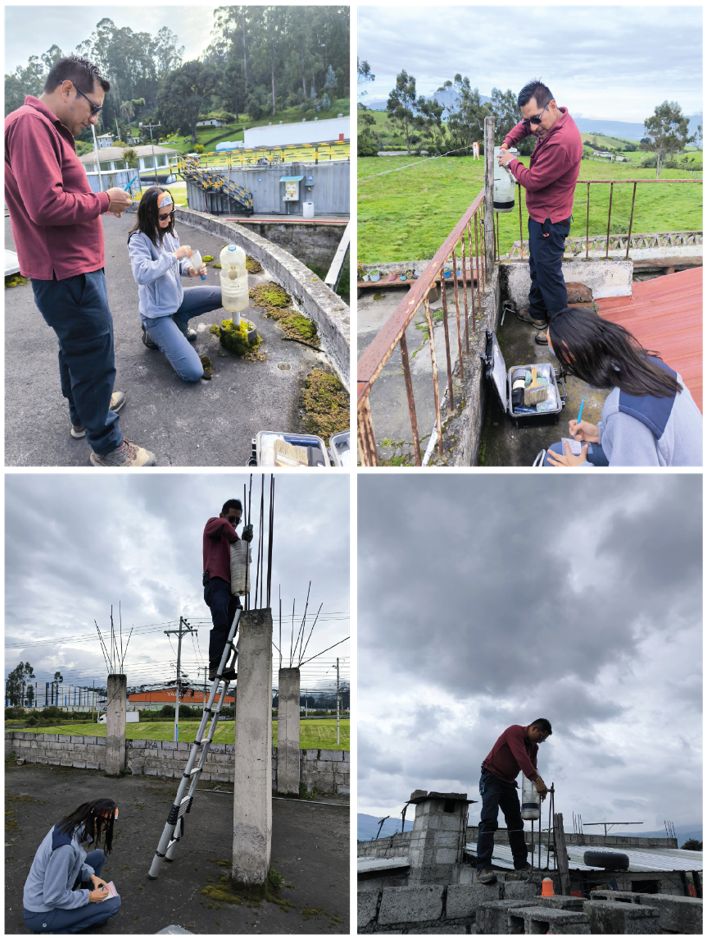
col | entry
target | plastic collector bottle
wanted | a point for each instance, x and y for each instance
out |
(530, 802)
(234, 281)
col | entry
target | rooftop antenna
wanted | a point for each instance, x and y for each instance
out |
(114, 649)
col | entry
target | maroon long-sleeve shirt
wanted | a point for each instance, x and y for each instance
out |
(218, 537)
(551, 179)
(53, 212)
(513, 753)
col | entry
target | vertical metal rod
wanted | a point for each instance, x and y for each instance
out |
(608, 224)
(458, 311)
(435, 378)
(586, 244)
(474, 272)
(465, 281)
(445, 319)
(630, 221)
(411, 398)
(520, 219)
(247, 548)
(271, 534)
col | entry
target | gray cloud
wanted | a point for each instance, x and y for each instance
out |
(489, 600)
(594, 63)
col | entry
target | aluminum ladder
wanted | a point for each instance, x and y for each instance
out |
(174, 828)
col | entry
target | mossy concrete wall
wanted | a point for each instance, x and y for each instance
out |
(312, 296)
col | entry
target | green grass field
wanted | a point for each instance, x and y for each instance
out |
(314, 734)
(407, 214)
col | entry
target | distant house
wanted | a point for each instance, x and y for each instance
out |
(105, 140)
(211, 122)
(156, 699)
(150, 158)
(331, 129)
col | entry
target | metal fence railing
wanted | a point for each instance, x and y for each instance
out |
(588, 183)
(459, 271)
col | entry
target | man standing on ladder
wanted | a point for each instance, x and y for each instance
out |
(550, 182)
(515, 750)
(219, 534)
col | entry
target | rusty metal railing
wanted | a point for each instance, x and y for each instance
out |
(459, 268)
(600, 182)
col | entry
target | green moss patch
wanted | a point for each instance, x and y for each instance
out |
(270, 295)
(16, 280)
(253, 266)
(237, 339)
(225, 890)
(325, 402)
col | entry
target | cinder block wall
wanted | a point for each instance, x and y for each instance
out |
(323, 771)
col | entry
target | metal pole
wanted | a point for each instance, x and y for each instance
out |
(98, 160)
(338, 720)
(488, 188)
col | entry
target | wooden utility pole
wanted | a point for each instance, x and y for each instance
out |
(563, 862)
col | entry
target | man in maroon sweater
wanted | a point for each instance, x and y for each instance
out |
(515, 750)
(219, 534)
(59, 240)
(549, 182)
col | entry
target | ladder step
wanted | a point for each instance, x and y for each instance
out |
(199, 768)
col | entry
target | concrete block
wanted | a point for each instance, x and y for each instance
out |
(445, 929)
(168, 745)
(463, 901)
(367, 908)
(514, 889)
(445, 855)
(403, 904)
(621, 918)
(138, 744)
(681, 915)
(570, 903)
(538, 920)
(492, 917)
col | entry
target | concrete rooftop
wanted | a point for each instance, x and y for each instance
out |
(309, 850)
(204, 424)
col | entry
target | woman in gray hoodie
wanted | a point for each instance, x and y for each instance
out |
(158, 263)
(64, 891)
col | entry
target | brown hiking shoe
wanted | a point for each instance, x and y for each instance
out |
(127, 454)
(485, 876)
(117, 402)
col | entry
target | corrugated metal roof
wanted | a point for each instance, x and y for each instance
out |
(665, 315)
(640, 861)
(376, 864)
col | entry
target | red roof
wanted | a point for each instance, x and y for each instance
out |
(665, 315)
(189, 697)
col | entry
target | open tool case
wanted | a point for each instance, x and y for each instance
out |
(503, 379)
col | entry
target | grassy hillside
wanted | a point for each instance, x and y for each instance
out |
(406, 214)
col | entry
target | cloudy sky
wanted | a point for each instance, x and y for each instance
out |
(608, 62)
(76, 544)
(491, 600)
(31, 30)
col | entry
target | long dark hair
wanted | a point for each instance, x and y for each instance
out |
(97, 818)
(606, 355)
(147, 215)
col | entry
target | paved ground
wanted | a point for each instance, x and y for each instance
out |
(185, 425)
(309, 850)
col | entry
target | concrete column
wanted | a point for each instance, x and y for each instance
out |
(288, 748)
(115, 724)
(252, 783)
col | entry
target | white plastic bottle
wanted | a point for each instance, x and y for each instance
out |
(196, 263)
(504, 185)
(234, 281)
(530, 802)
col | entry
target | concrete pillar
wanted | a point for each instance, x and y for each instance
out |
(438, 836)
(252, 783)
(288, 748)
(115, 724)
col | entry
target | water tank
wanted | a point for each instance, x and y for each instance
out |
(504, 185)
(308, 210)
(530, 801)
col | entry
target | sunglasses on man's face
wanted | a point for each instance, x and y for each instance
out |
(535, 119)
(165, 217)
(95, 108)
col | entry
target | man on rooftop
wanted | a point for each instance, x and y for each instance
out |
(549, 182)
(515, 750)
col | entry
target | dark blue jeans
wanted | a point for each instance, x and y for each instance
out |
(496, 794)
(223, 605)
(68, 921)
(548, 293)
(77, 310)
(168, 331)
